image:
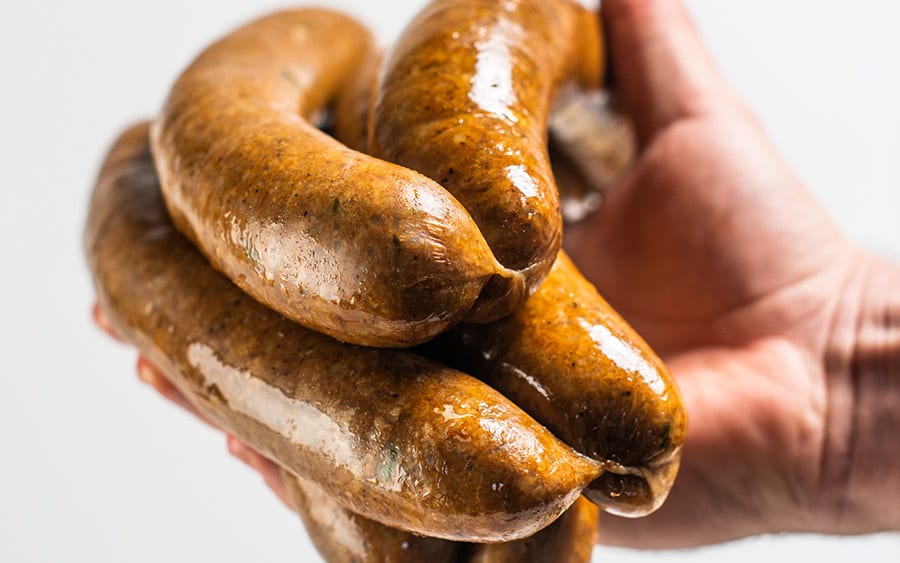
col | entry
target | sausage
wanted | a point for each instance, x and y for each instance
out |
(570, 538)
(391, 435)
(352, 105)
(340, 535)
(362, 250)
(464, 98)
(570, 361)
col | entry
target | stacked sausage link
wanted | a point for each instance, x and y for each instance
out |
(258, 262)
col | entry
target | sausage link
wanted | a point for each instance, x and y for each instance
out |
(391, 435)
(357, 248)
(571, 538)
(464, 98)
(353, 103)
(570, 361)
(340, 535)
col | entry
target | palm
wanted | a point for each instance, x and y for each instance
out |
(715, 254)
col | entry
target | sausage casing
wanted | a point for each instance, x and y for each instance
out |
(464, 98)
(363, 250)
(570, 361)
(341, 535)
(391, 435)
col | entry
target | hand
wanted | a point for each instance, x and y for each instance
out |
(719, 257)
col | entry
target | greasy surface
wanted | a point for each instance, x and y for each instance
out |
(576, 366)
(569, 539)
(360, 249)
(389, 434)
(464, 99)
(341, 536)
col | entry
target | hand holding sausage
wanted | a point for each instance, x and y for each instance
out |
(310, 413)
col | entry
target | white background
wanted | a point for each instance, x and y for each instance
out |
(96, 468)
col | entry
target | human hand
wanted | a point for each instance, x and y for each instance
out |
(720, 258)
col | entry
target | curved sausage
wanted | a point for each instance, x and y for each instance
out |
(353, 103)
(340, 535)
(391, 435)
(630, 419)
(570, 361)
(464, 98)
(362, 250)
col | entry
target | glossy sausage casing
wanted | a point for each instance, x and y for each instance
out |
(570, 361)
(464, 98)
(389, 434)
(357, 248)
(342, 536)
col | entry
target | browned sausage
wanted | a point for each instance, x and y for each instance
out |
(570, 538)
(464, 99)
(353, 103)
(389, 434)
(570, 361)
(360, 249)
(341, 536)
(564, 365)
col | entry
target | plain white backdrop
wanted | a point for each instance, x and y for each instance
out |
(96, 468)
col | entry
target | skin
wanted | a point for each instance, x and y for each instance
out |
(789, 362)
(483, 76)
(781, 333)
(390, 435)
(351, 246)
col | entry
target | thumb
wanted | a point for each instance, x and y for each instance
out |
(663, 73)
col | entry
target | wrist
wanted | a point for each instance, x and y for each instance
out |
(860, 480)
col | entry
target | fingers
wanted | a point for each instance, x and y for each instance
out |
(270, 472)
(101, 321)
(663, 73)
